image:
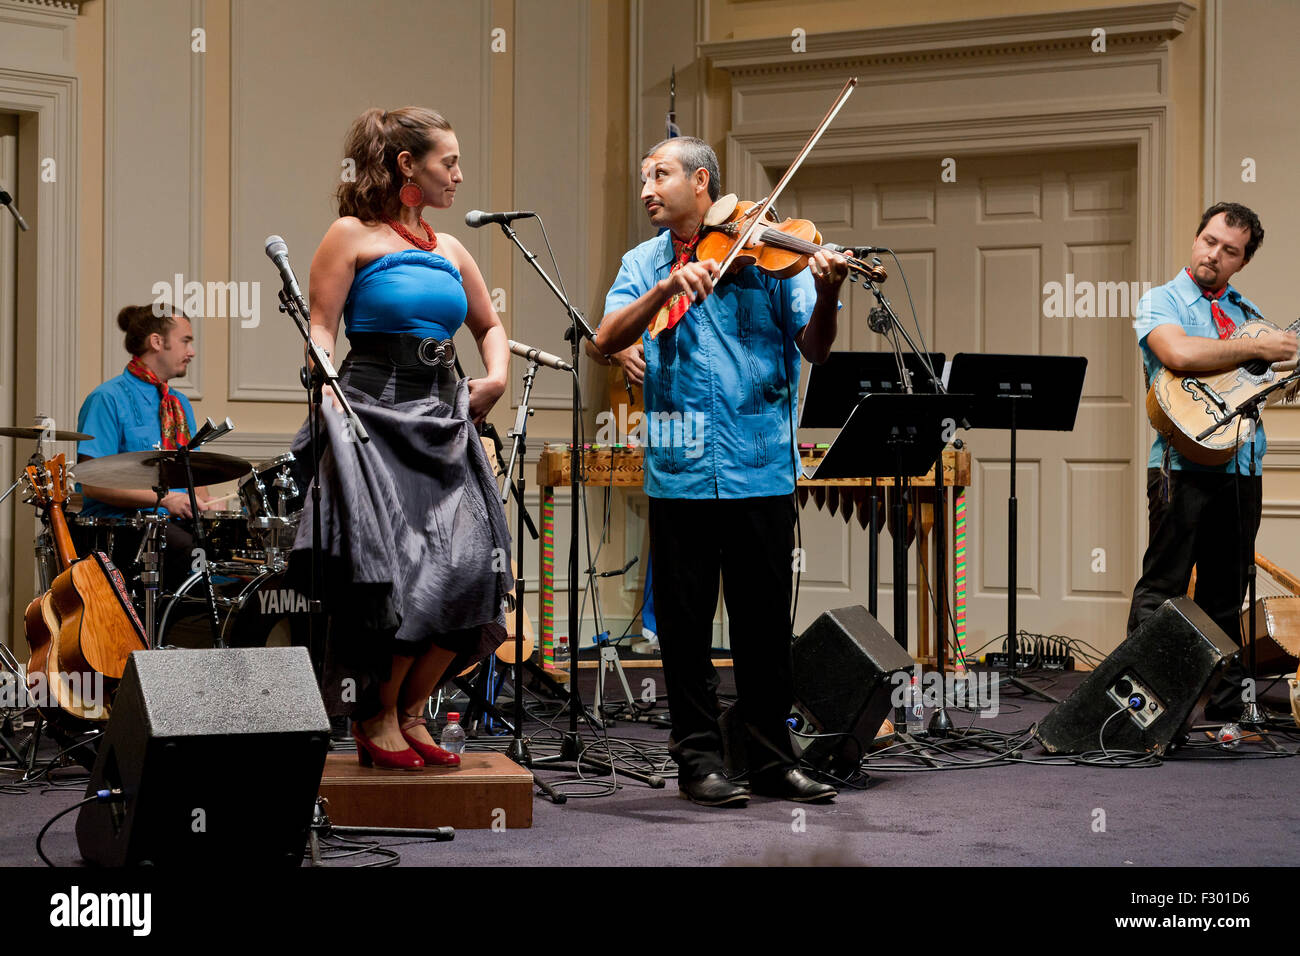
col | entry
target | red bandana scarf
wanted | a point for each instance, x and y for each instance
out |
(171, 413)
(1225, 325)
(676, 307)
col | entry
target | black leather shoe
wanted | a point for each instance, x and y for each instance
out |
(792, 784)
(714, 790)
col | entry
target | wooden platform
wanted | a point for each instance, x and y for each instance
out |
(487, 791)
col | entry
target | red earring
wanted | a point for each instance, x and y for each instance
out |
(411, 194)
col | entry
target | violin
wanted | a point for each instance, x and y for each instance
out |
(748, 233)
(781, 249)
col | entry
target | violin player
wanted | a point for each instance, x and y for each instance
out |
(722, 360)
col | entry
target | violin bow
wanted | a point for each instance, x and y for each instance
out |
(759, 213)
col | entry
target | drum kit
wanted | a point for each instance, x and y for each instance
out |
(245, 551)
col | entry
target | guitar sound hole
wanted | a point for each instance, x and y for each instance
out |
(1256, 367)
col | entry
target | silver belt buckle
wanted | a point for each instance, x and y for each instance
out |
(433, 352)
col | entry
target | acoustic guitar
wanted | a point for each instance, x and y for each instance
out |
(83, 629)
(1180, 407)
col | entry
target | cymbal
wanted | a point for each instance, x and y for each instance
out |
(140, 469)
(34, 432)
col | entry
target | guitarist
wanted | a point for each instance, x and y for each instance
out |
(137, 411)
(1204, 515)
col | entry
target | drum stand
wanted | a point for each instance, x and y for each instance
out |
(150, 554)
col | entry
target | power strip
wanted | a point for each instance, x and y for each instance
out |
(1000, 660)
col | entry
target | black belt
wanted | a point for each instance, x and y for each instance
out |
(404, 349)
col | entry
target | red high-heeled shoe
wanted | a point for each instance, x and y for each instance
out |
(431, 754)
(370, 755)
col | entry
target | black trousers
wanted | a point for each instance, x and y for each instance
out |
(1209, 521)
(750, 543)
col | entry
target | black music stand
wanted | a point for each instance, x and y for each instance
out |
(1039, 392)
(834, 390)
(898, 436)
(837, 385)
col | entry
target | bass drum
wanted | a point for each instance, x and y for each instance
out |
(255, 608)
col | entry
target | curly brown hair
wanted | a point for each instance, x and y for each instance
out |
(373, 144)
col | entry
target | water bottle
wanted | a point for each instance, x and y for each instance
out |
(562, 652)
(1229, 736)
(453, 735)
(915, 709)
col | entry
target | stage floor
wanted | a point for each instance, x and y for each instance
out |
(1194, 809)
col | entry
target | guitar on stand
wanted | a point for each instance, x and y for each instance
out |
(82, 630)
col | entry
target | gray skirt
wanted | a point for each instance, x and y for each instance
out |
(416, 544)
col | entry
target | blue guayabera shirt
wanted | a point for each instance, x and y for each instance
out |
(721, 385)
(1180, 302)
(122, 414)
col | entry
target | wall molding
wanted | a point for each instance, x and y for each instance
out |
(53, 212)
(1128, 29)
(119, 156)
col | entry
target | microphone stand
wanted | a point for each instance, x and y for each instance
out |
(884, 320)
(321, 373)
(571, 742)
(1252, 716)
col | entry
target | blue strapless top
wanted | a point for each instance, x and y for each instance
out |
(409, 291)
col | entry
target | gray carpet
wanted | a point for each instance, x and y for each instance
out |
(1187, 811)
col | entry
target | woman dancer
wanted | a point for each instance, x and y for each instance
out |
(414, 534)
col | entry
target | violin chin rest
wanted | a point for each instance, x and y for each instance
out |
(721, 210)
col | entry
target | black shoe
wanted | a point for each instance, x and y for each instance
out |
(714, 790)
(792, 784)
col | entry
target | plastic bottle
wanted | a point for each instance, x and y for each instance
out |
(915, 710)
(453, 735)
(562, 652)
(1229, 736)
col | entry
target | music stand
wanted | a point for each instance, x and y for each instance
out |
(1038, 392)
(834, 390)
(837, 385)
(914, 429)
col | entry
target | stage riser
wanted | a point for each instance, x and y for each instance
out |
(487, 791)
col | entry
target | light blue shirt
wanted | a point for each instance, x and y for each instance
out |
(721, 386)
(1180, 302)
(122, 414)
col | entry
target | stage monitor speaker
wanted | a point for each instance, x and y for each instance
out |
(844, 667)
(1159, 675)
(218, 754)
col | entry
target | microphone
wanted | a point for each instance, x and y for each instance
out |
(878, 320)
(477, 217)
(278, 252)
(538, 356)
(8, 201)
(857, 252)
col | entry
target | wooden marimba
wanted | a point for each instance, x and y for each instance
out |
(623, 466)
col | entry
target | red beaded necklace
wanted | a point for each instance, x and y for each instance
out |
(426, 244)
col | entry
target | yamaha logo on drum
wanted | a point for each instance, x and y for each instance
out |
(282, 601)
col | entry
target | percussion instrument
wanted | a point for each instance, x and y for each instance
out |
(273, 501)
(36, 432)
(623, 466)
(100, 532)
(255, 605)
(148, 469)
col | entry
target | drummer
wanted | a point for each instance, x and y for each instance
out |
(138, 411)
